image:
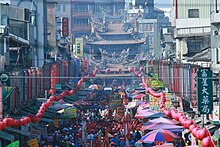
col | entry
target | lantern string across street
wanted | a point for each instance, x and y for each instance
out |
(200, 133)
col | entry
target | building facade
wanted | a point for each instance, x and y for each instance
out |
(215, 35)
(80, 12)
(192, 27)
(16, 42)
(151, 21)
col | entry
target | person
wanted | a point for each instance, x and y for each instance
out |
(132, 142)
(138, 144)
(122, 142)
(137, 136)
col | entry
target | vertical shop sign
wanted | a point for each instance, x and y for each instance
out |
(205, 98)
(65, 26)
(79, 47)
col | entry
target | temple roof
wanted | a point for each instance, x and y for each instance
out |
(116, 29)
(116, 42)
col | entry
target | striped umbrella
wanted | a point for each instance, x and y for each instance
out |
(159, 136)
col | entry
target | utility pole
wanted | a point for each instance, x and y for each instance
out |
(45, 27)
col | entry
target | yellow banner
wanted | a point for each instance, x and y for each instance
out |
(79, 47)
(155, 102)
(70, 112)
(33, 143)
(56, 122)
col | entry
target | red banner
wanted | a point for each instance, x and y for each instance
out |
(65, 26)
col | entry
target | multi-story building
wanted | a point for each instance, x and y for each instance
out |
(215, 36)
(36, 9)
(150, 23)
(81, 24)
(192, 27)
(16, 42)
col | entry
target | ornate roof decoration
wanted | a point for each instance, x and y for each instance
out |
(114, 58)
(101, 24)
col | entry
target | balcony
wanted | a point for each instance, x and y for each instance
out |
(81, 28)
(81, 14)
(84, 1)
(192, 31)
(215, 18)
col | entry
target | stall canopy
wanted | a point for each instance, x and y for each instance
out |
(160, 125)
(58, 107)
(149, 114)
(6, 136)
(164, 120)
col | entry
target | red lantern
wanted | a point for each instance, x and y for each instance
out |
(79, 82)
(191, 127)
(49, 101)
(10, 122)
(23, 122)
(194, 131)
(142, 69)
(72, 91)
(107, 70)
(96, 70)
(139, 75)
(2, 125)
(130, 69)
(168, 114)
(63, 94)
(40, 114)
(208, 142)
(202, 133)
(188, 123)
(161, 106)
(147, 90)
(119, 70)
(16, 123)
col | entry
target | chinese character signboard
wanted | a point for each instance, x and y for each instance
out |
(155, 102)
(79, 47)
(65, 26)
(205, 99)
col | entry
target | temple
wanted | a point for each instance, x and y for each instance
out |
(114, 40)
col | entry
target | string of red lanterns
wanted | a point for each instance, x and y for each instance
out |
(202, 134)
(11, 122)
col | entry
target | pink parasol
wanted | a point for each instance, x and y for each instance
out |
(160, 125)
(164, 121)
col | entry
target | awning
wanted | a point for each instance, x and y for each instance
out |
(6, 136)
(47, 120)
(18, 131)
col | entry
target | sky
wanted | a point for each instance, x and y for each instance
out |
(163, 4)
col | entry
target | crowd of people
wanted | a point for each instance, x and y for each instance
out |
(95, 126)
(98, 125)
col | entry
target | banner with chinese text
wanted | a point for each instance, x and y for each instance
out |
(155, 102)
(79, 47)
(205, 92)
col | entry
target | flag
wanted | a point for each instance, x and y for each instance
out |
(14, 144)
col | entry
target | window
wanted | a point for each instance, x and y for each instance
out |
(64, 8)
(193, 13)
(80, 22)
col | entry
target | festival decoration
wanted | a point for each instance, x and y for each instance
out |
(10, 122)
(107, 70)
(201, 134)
(173, 113)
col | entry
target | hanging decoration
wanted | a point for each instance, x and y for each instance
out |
(200, 133)
(10, 122)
